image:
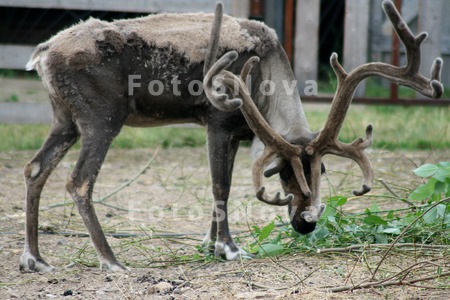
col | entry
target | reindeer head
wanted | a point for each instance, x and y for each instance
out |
(299, 161)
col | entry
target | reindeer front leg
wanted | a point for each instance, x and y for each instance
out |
(222, 149)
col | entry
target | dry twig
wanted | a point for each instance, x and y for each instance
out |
(384, 283)
(376, 247)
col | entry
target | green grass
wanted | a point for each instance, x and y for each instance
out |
(29, 137)
(9, 73)
(166, 137)
(394, 128)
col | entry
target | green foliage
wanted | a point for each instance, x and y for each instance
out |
(438, 184)
(268, 241)
(11, 98)
(10, 73)
(30, 137)
(373, 226)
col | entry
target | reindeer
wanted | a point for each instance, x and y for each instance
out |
(87, 68)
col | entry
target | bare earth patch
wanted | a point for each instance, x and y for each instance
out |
(156, 225)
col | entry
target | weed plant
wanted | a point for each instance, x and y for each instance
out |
(426, 221)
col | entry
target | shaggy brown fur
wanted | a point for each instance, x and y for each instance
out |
(187, 34)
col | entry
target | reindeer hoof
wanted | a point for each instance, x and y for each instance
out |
(31, 263)
(230, 251)
(113, 267)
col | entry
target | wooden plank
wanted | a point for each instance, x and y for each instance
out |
(430, 20)
(15, 56)
(274, 15)
(356, 37)
(288, 28)
(123, 6)
(25, 113)
(240, 8)
(306, 42)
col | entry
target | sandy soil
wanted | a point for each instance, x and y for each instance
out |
(166, 212)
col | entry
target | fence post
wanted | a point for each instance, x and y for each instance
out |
(240, 8)
(306, 41)
(356, 37)
(430, 20)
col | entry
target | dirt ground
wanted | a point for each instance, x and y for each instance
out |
(163, 215)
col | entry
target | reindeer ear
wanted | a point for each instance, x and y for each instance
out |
(275, 167)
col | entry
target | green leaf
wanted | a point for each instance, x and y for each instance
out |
(431, 216)
(444, 164)
(271, 249)
(256, 229)
(381, 239)
(329, 211)
(392, 230)
(426, 170)
(337, 201)
(390, 215)
(440, 210)
(374, 220)
(266, 231)
(374, 208)
(277, 239)
(442, 174)
(440, 187)
(423, 191)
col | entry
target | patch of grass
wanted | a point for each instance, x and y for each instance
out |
(30, 137)
(394, 128)
(22, 137)
(11, 98)
(9, 73)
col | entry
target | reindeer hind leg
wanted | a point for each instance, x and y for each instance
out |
(63, 135)
(97, 134)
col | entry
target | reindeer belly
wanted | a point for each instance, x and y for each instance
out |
(163, 88)
(148, 112)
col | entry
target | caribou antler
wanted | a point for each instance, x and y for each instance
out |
(275, 144)
(327, 140)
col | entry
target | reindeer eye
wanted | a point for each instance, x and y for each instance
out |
(286, 174)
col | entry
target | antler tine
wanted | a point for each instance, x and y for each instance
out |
(436, 85)
(412, 45)
(337, 67)
(248, 66)
(261, 194)
(220, 101)
(215, 37)
(355, 151)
